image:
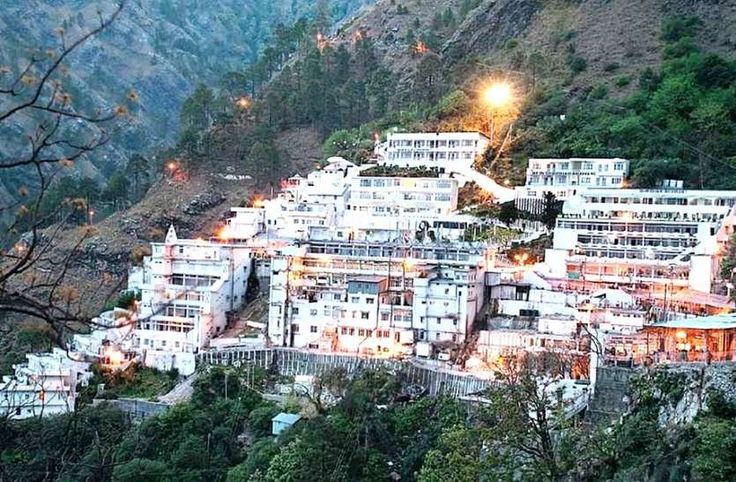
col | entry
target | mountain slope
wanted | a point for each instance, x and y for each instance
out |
(161, 50)
(614, 37)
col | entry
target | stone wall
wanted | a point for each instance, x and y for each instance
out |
(136, 410)
(610, 399)
(293, 362)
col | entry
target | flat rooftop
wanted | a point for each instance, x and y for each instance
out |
(715, 322)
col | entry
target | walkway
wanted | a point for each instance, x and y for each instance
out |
(501, 193)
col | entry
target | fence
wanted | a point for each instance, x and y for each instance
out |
(295, 362)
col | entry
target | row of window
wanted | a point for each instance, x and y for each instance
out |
(182, 311)
(365, 332)
(450, 156)
(405, 182)
(193, 280)
(628, 228)
(161, 344)
(669, 201)
(432, 143)
(586, 166)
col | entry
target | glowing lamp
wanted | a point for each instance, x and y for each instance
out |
(243, 103)
(681, 335)
(498, 95)
(114, 356)
(223, 234)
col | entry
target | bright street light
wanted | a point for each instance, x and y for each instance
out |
(498, 95)
(243, 103)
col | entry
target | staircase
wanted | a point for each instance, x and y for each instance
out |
(608, 402)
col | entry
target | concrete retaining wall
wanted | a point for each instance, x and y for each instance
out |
(294, 362)
(611, 388)
(136, 410)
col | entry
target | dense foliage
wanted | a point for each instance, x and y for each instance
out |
(374, 433)
(679, 124)
(680, 121)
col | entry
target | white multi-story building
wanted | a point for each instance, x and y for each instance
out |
(400, 203)
(374, 298)
(113, 339)
(45, 385)
(188, 288)
(566, 178)
(646, 238)
(395, 196)
(426, 149)
(345, 201)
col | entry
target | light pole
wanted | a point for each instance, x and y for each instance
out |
(649, 254)
(496, 96)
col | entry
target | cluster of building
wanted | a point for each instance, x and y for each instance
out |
(376, 260)
(45, 385)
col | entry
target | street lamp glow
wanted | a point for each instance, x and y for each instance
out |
(498, 95)
(243, 103)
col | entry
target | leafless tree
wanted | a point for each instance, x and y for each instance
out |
(35, 279)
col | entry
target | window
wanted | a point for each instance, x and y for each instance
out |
(344, 331)
(295, 310)
(370, 301)
(361, 332)
(384, 316)
(313, 312)
(355, 299)
(363, 315)
(313, 329)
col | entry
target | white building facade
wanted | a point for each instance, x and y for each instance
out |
(427, 149)
(45, 385)
(566, 178)
(374, 298)
(188, 288)
(641, 238)
(345, 201)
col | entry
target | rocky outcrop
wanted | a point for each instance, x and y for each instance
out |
(490, 25)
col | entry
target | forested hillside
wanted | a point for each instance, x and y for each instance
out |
(376, 432)
(654, 83)
(155, 52)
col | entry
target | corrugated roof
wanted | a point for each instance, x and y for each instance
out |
(690, 295)
(716, 322)
(287, 418)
